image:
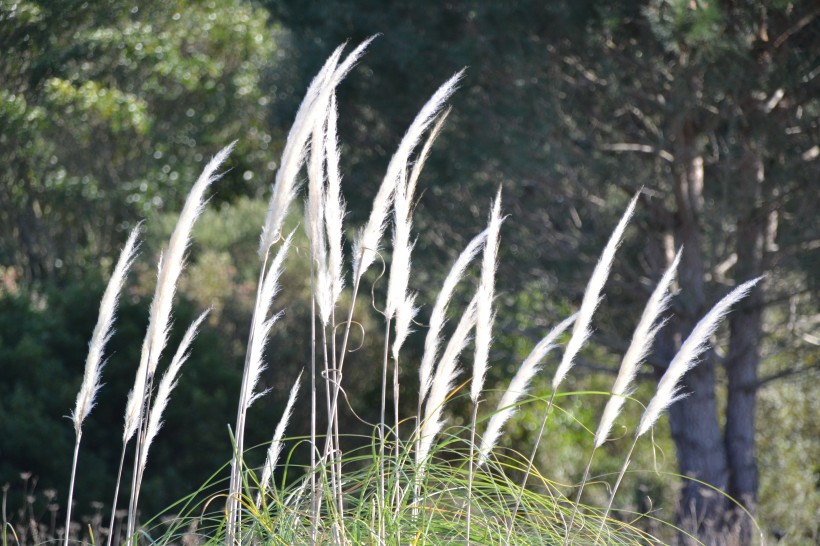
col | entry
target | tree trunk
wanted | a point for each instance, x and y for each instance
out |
(693, 420)
(742, 361)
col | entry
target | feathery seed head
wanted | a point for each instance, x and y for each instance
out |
(102, 332)
(592, 297)
(402, 248)
(167, 385)
(314, 106)
(334, 206)
(275, 448)
(405, 314)
(262, 323)
(444, 381)
(367, 242)
(518, 387)
(642, 339)
(486, 294)
(173, 260)
(669, 386)
(421, 159)
(438, 315)
(170, 266)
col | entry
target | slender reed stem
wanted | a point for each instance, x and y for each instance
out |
(236, 461)
(383, 428)
(337, 372)
(71, 486)
(578, 496)
(471, 470)
(136, 476)
(529, 467)
(116, 495)
(396, 451)
(333, 422)
(615, 487)
(315, 511)
(329, 363)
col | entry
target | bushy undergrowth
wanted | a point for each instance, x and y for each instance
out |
(413, 479)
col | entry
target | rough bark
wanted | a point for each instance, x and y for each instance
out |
(745, 325)
(693, 420)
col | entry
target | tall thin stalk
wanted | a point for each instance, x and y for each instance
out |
(368, 240)
(156, 336)
(261, 324)
(312, 112)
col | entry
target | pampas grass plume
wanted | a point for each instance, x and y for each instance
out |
(444, 381)
(367, 243)
(275, 448)
(173, 259)
(167, 385)
(642, 339)
(293, 155)
(400, 304)
(486, 294)
(518, 387)
(439, 313)
(421, 159)
(170, 267)
(402, 248)
(669, 386)
(334, 205)
(262, 324)
(102, 332)
(94, 362)
(314, 106)
(592, 297)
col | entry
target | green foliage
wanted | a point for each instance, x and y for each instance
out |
(42, 353)
(91, 89)
(283, 515)
(792, 474)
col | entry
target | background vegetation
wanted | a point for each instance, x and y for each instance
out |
(108, 110)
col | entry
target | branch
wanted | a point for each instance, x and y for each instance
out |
(797, 27)
(786, 373)
(636, 147)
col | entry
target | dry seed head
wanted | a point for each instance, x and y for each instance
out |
(166, 385)
(102, 332)
(645, 332)
(486, 294)
(691, 350)
(592, 297)
(367, 242)
(518, 387)
(439, 314)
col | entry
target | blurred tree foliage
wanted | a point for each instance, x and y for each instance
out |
(108, 110)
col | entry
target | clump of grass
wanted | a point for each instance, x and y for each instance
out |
(426, 482)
